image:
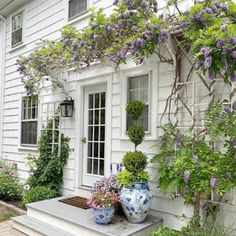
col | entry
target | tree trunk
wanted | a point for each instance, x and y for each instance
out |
(196, 210)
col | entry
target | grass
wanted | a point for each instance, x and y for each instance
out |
(6, 215)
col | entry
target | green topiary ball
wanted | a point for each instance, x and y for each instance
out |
(135, 109)
(136, 134)
(134, 162)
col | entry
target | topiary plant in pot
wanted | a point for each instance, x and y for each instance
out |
(135, 195)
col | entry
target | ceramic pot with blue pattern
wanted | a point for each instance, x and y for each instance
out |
(136, 201)
(103, 216)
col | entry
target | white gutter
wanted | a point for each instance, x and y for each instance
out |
(2, 77)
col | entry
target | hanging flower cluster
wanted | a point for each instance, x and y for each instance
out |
(211, 29)
(133, 30)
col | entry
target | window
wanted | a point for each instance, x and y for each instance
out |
(17, 31)
(138, 89)
(29, 120)
(77, 7)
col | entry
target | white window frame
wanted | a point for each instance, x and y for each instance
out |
(21, 11)
(78, 16)
(22, 146)
(152, 71)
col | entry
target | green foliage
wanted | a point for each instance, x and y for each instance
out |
(47, 169)
(38, 193)
(126, 177)
(10, 188)
(135, 109)
(6, 215)
(163, 231)
(136, 134)
(134, 162)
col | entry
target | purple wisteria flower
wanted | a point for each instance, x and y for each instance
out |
(198, 65)
(168, 160)
(208, 62)
(224, 27)
(234, 143)
(178, 139)
(144, 5)
(213, 182)
(209, 10)
(227, 109)
(225, 62)
(221, 43)
(113, 58)
(224, 6)
(233, 54)
(115, 2)
(217, 4)
(233, 78)
(186, 176)
(198, 18)
(228, 175)
(205, 51)
(211, 75)
(234, 105)
(233, 40)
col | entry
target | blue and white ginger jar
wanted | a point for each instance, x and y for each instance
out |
(136, 201)
(103, 216)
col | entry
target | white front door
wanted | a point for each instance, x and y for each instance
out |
(94, 139)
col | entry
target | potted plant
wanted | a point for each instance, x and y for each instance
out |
(105, 196)
(135, 195)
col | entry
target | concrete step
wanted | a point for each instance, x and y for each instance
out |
(33, 227)
(80, 222)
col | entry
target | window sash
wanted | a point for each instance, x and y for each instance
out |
(17, 30)
(29, 120)
(16, 37)
(77, 7)
(139, 89)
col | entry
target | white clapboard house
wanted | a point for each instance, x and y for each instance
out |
(22, 24)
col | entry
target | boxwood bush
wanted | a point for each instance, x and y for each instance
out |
(38, 194)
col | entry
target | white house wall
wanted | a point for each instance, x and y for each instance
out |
(44, 19)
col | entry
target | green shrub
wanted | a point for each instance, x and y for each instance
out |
(136, 134)
(135, 109)
(38, 194)
(10, 188)
(134, 161)
(125, 177)
(163, 231)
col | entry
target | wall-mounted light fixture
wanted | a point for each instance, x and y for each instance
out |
(67, 107)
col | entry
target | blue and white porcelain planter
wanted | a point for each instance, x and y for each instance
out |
(136, 201)
(103, 216)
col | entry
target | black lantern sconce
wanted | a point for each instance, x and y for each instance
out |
(67, 107)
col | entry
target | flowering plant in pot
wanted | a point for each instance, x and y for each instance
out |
(135, 195)
(105, 196)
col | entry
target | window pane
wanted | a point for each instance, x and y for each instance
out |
(16, 37)
(29, 132)
(138, 90)
(17, 22)
(76, 7)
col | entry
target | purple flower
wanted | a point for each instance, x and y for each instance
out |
(112, 58)
(228, 175)
(227, 109)
(213, 182)
(209, 10)
(198, 65)
(224, 28)
(224, 6)
(144, 5)
(115, 2)
(178, 139)
(211, 75)
(108, 29)
(217, 4)
(224, 60)
(168, 160)
(155, 10)
(205, 51)
(208, 62)
(186, 176)
(233, 78)
(220, 43)
(233, 40)
(198, 18)
(233, 54)
(121, 54)
(139, 42)
(161, 16)
(183, 25)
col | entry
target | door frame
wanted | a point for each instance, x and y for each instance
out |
(105, 79)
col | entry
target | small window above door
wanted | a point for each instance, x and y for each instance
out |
(77, 7)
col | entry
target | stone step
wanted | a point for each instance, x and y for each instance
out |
(29, 226)
(80, 222)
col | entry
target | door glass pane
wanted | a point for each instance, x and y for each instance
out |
(96, 133)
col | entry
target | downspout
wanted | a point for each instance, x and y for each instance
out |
(2, 78)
